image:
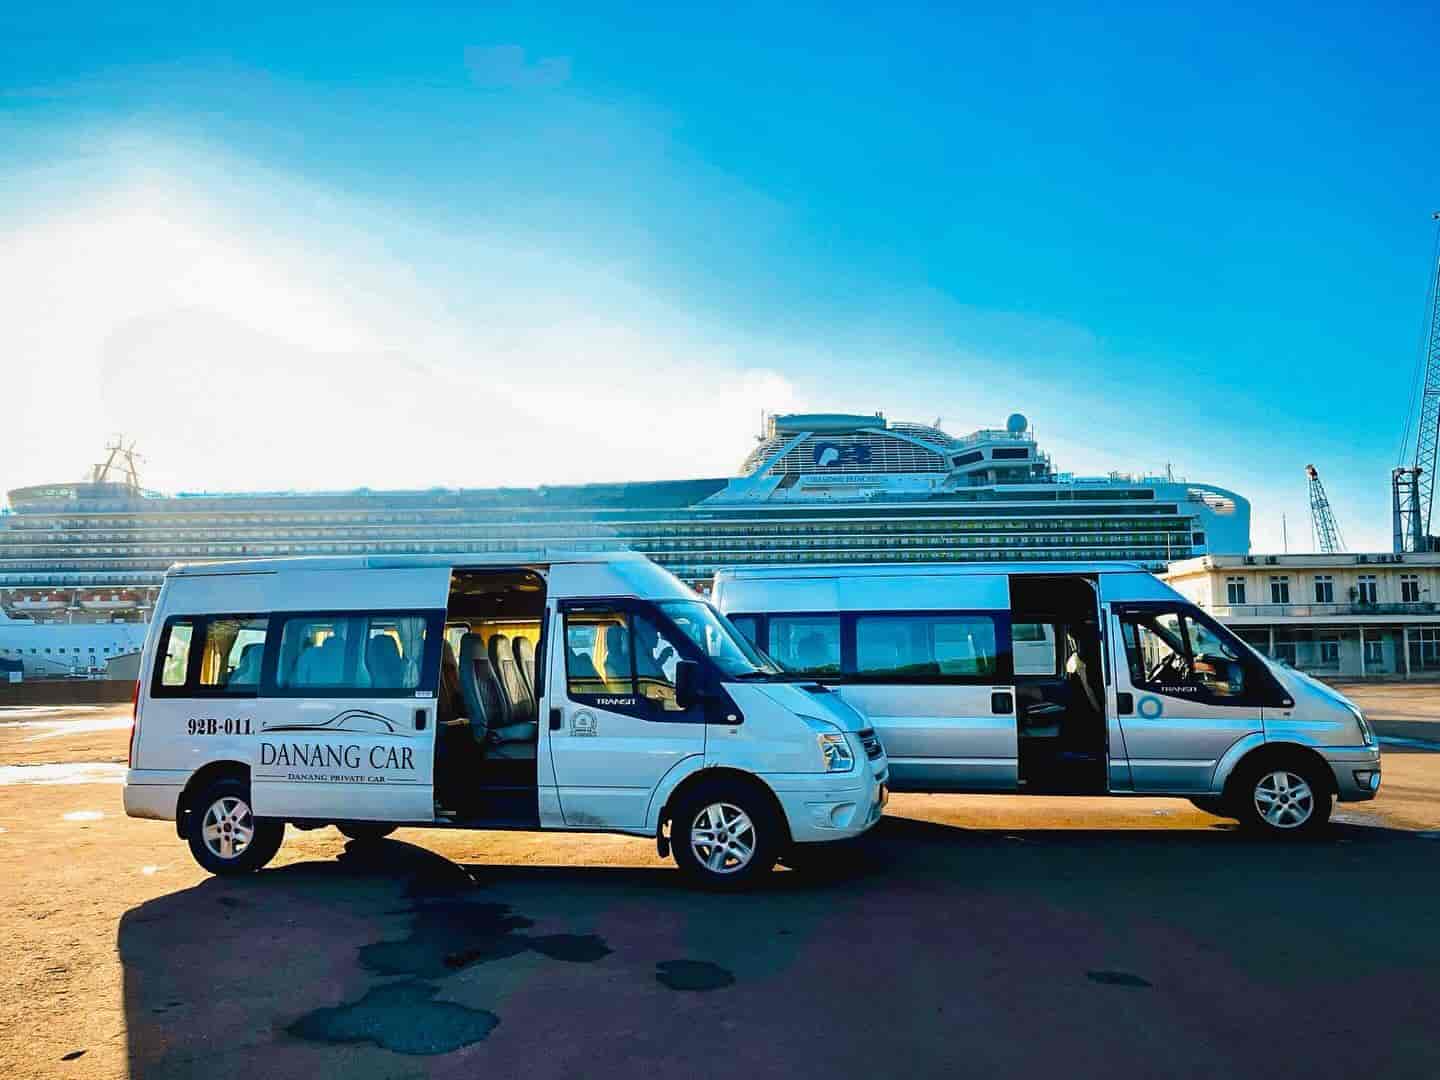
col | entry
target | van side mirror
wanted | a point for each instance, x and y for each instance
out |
(687, 683)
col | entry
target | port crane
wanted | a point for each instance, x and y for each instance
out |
(1324, 529)
(1412, 486)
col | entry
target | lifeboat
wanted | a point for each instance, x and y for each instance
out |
(110, 600)
(41, 601)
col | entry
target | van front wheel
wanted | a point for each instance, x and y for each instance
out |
(725, 835)
(1282, 797)
(225, 835)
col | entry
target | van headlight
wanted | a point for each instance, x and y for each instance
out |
(1364, 725)
(835, 750)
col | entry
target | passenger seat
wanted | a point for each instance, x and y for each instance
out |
(513, 730)
(525, 661)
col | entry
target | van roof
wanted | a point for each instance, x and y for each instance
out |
(289, 563)
(841, 570)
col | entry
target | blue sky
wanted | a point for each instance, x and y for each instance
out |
(1196, 237)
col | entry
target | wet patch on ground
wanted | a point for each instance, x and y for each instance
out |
(402, 1017)
(1119, 978)
(453, 934)
(696, 975)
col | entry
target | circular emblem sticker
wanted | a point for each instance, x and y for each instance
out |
(1149, 707)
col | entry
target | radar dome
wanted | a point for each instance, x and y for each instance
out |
(1017, 424)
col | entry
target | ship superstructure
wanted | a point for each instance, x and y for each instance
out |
(818, 488)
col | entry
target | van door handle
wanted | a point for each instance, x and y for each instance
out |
(421, 716)
(556, 719)
(1124, 703)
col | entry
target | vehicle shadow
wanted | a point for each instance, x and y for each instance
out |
(392, 960)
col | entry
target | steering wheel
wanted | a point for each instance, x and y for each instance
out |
(1173, 666)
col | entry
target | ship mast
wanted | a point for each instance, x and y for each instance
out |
(122, 459)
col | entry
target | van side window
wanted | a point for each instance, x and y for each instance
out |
(351, 652)
(1172, 653)
(230, 658)
(911, 646)
(597, 653)
(175, 652)
(806, 644)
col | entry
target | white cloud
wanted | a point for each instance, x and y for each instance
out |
(245, 349)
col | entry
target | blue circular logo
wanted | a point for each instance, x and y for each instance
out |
(1149, 707)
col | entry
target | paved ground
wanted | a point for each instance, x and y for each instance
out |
(985, 936)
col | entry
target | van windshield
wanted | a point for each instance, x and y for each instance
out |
(718, 639)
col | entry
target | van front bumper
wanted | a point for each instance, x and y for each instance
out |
(1356, 770)
(153, 793)
(830, 806)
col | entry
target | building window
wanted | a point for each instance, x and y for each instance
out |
(1366, 592)
(1410, 588)
(1235, 590)
(1329, 652)
(1324, 589)
(1374, 654)
(1279, 590)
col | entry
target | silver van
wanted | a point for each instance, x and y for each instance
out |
(1061, 679)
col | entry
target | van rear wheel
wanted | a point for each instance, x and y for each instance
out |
(725, 835)
(225, 835)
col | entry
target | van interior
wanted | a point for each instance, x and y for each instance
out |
(492, 661)
(1059, 684)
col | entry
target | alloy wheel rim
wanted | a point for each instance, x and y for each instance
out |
(1284, 800)
(723, 838)
(228, 827)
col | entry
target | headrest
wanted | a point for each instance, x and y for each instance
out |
(524, 650)
(500, 651)
(381, 647)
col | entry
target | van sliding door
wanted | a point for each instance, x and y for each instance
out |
(347, 716)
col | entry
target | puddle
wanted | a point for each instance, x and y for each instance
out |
(402, 1017)
(453, 934)
(73, 772)
(697, 975)
(1119, 978)
(84, 815)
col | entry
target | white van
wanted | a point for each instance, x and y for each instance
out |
(586, 693)
(1060, 679)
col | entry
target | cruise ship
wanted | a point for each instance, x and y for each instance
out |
(820, 488)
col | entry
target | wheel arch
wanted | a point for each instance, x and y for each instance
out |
(729, 775)
(203, 776)
(1280, 753)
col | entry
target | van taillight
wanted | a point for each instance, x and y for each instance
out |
(134, 723)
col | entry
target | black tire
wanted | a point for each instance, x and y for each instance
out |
(364, 832)
(1256, 784)
(1213, 804)
(266, 835)
(764, 835)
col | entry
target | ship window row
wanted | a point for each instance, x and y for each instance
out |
(168, 530)
(712, 555)
(14, 561)
(12, 539)
(16, 554)
(693, 567)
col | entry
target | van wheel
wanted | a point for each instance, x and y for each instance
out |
(725, 835)
(363, 833)
(225, 835)
(1282, 796)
